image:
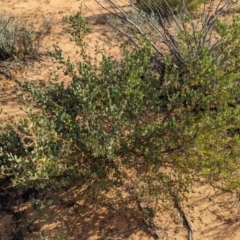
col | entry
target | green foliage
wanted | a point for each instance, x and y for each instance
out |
(79, 26)
(126, 133)
(176, 6)
(18, 40)
(9, 142)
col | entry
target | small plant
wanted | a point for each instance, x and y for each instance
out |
(17, 40)
(79, 26)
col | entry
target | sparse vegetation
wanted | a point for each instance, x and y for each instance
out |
(139, 131)
(18, 40)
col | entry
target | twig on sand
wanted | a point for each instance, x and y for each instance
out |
(186, 222)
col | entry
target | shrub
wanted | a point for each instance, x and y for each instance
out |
(18, 39)
(194, 55)
(129, 134)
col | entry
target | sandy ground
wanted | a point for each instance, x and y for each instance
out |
(210, 217)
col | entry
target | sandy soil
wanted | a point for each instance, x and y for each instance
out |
(210, 217)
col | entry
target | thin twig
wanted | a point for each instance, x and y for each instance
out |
(6, 24)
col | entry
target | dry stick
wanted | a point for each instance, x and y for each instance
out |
(124, 17)
(168, 38)
(182, 214)
(6, 24)
(208, 28)
(188, 41)
(202, 40)
(209, 12)
(115, 28)
(207, 37)
(203, 21)
(208, 22)
(127, 35)
(184, 217)
(173, 15)
(156, 9)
